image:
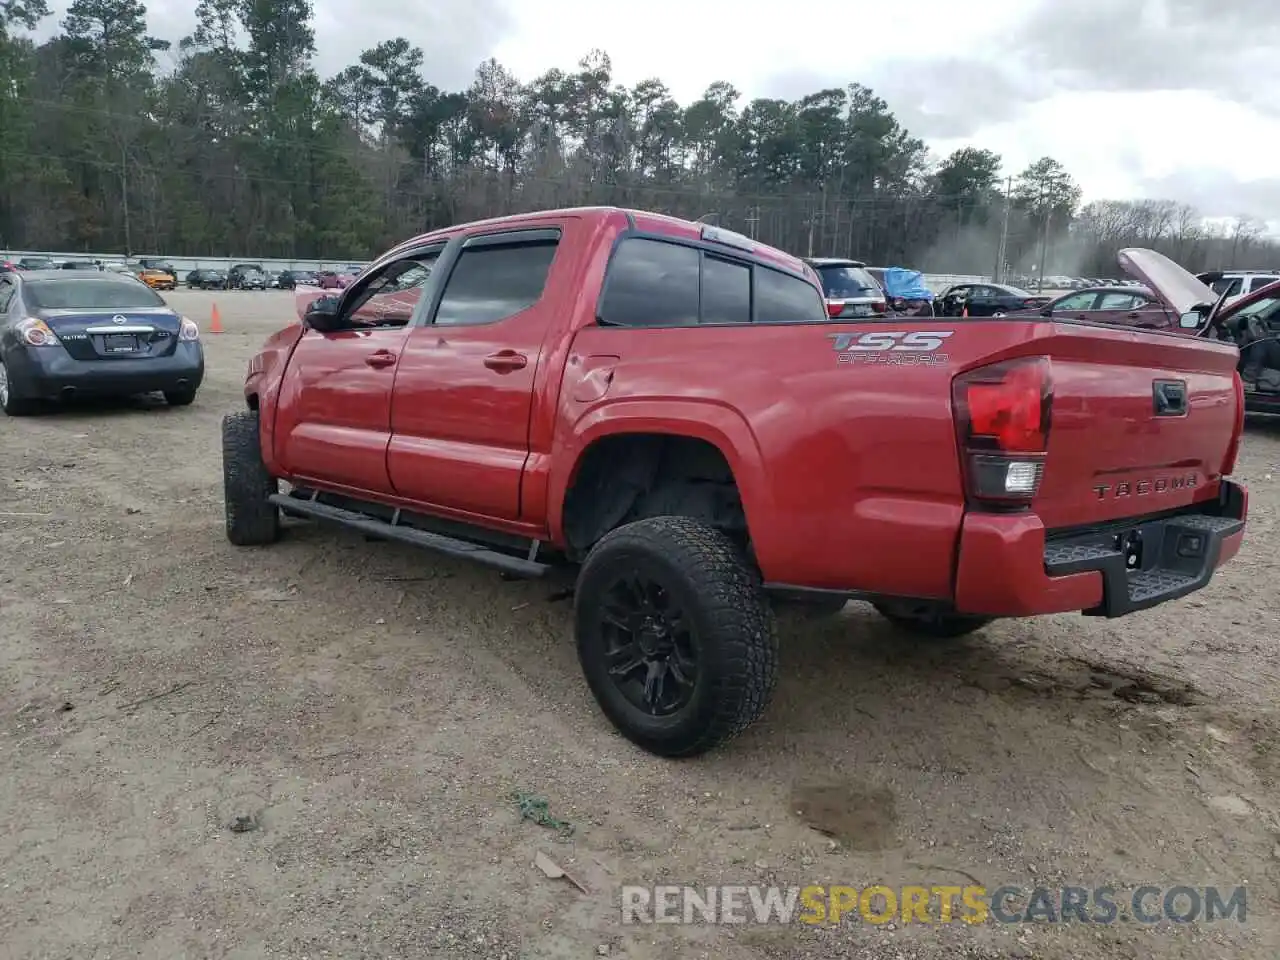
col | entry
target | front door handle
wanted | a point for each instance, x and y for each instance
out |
(506, 361)
(380, 358)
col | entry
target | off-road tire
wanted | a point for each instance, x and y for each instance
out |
(733, 630)
(932, 626)
(252, 519)
(15, 406)
(179, 398)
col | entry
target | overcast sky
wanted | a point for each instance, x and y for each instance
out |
(1159, 98)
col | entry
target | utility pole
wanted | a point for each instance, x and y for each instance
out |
(1004, 233)
(1044, 237)
(124, 198)
(752, 220)
(815, 215)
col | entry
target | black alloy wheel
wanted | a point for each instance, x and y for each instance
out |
(650, 644)
(675, 637)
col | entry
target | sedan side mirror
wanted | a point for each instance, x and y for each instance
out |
(322, 314)
(1190, 321)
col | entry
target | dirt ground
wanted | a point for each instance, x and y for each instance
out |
(371, 710)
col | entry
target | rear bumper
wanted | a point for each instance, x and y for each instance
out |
(1008, 565)
(48, 373)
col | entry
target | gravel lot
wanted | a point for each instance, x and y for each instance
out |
(373, 709)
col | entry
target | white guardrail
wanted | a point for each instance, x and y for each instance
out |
(937, 282)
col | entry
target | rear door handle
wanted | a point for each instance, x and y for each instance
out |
(380, 358)
(506, 361)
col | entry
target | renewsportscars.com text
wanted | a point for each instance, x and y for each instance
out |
(935, 904)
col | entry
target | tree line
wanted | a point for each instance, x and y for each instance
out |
(239, 147)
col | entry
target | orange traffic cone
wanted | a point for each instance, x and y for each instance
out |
(963, 313)
(215, 322)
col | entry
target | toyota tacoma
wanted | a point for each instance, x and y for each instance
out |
(665, 409)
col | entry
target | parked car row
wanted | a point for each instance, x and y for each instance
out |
(252, 276)
(1059, 282)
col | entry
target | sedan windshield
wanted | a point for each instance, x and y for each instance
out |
(77, 294)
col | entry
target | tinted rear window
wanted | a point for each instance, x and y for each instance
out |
(651, 284)
(842, 283)
(90, 295)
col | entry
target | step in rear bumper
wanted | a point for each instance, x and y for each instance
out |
(1010, 566)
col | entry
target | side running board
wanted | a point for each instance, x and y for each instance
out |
(449, 546)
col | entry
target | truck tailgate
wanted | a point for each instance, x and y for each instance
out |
(1142, 422)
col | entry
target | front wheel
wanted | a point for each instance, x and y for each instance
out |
(929, 621)
(252, 519)
(674, 635)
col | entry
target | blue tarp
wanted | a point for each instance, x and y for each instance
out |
(900, 283)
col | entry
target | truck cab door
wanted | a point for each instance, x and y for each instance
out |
(464, 393)
(334, 418)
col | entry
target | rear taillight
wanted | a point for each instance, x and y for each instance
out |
(36, 333)
(1030, 304)
(1233, 450)
(1003, 413)
(835, 308)
(878, 306)
(188, 330)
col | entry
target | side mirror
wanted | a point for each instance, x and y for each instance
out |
(322, 314)
(1047, 312)
(1190, 321)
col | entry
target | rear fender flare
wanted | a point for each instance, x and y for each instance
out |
(717, 424)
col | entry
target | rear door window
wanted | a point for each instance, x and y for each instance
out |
(651, 284)
(497, 278)
(1257, 283)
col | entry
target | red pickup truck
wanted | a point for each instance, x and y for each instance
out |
(666, 409)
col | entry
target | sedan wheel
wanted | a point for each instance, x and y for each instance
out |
(999, 313)
(11, 405)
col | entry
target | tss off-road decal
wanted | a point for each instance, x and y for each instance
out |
(913, 347)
